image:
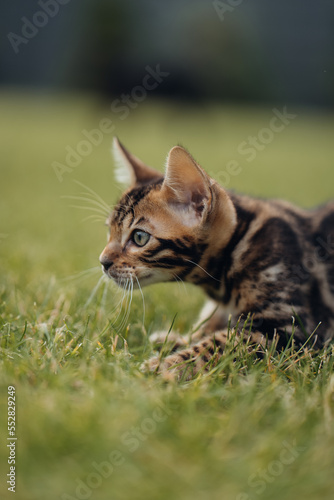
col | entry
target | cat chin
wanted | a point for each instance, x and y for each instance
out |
(149, 279)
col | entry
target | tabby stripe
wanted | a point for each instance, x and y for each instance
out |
(219, 267)
(179, 247)
(132, 219)
(186, 271)
(130, 200)
(120, 215)
(139, 221)
(166, 262)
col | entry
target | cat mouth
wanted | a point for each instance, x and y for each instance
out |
(122, 279)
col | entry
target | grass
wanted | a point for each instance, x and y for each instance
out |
(89, 423)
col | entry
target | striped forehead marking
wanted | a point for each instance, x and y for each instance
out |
(129, 201)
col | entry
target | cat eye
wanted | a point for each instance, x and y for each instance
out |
(140, 238)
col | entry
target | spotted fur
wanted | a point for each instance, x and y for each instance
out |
(264, 260)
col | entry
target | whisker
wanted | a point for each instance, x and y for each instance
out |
(92, 209)
(180, 281)
(120, 305)
(130, 301)
(93, 193)
(124, 295)
(104, 295)
(94, 218)
(99, 200)
(130, 292)
(123, 322)
(82, 274)
(130, 304)
(142, 296)
(187, 260)
(88, 200)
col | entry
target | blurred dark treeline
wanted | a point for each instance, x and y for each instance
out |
(233, 50)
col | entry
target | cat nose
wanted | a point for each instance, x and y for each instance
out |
(106, 262)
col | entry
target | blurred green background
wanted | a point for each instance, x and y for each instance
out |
(232, 67)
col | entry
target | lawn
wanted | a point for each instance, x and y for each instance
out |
(89, 423)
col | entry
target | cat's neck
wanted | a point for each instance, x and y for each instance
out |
(228, 224)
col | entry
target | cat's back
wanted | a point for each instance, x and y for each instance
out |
(279, 231)
(310, 226)
(323, 241)
(288, 248)
(315, 229)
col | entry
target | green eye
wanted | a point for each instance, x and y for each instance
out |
(140, 238)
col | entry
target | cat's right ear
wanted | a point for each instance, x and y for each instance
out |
(130, 170)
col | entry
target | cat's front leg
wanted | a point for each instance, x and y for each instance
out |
(184, 364)
(213, 317)
(203, 355)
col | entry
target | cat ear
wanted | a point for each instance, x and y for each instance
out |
(130, 171)
(186, 186)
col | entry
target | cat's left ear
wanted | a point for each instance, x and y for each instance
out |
(186, 186)
(130, 170)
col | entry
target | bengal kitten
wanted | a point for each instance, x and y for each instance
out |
(251, 256)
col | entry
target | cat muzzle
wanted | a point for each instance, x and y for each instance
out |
(106, 263)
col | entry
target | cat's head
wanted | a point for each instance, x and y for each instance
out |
(163, 225)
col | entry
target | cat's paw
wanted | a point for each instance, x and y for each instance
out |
(177, 366)
(184, 364)
(161, 338)
(150, 365)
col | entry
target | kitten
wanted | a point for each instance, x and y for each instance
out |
(268, 259)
